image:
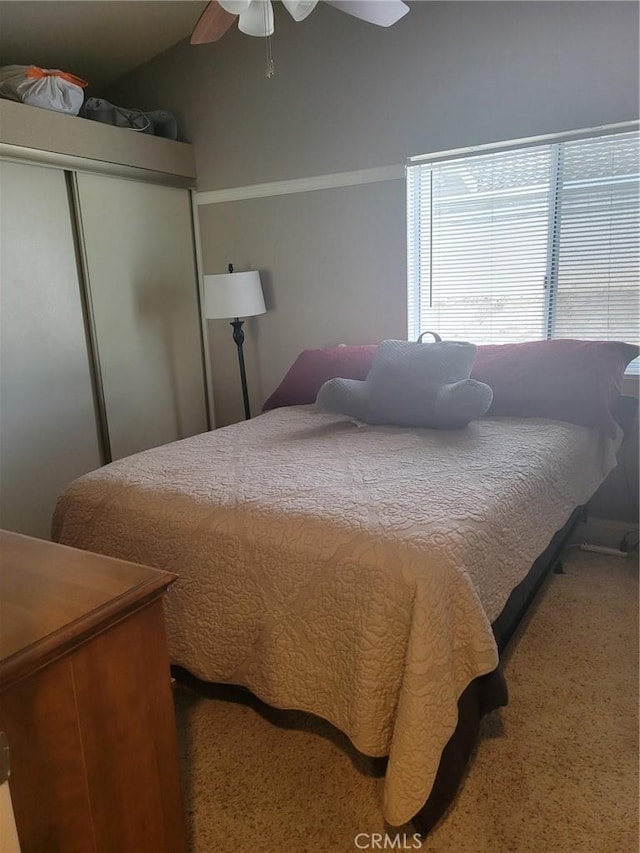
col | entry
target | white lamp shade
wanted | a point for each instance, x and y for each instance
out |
(234, 294)
(258, 19)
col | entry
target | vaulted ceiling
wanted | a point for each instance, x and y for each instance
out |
(98, 40)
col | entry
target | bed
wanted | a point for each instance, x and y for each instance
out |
(359, 573)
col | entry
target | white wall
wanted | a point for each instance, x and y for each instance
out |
(349, 96)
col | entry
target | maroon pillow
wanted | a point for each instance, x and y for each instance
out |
(314, 367)
(575, 381)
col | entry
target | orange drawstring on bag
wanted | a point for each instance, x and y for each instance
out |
(38, 73)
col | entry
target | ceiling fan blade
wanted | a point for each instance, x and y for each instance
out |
(384, 13)
(212, 24)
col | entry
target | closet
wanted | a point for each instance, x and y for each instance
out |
(101, 336)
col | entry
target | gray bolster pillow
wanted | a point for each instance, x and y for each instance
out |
(413, 385)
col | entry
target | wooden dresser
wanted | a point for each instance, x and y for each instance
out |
(85, 702)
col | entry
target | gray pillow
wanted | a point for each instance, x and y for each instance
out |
(413, 384)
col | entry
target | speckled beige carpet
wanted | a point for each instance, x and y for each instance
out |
(555, 772)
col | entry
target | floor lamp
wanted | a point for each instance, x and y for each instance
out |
(235, 294)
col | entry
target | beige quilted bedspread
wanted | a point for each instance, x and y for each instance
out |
(350, 571)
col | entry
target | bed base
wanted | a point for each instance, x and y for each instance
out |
(489, 692)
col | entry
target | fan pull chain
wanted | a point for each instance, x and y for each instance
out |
(269, 71)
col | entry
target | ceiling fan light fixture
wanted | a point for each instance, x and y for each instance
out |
(257, 20)
(299, 9)
(234, 7)
(255, 17)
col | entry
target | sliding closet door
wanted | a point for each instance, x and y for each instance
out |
(48, 433)
(140, 262)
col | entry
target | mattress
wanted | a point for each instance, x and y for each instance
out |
(346, 570)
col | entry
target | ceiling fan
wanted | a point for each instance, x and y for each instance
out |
(255, 17)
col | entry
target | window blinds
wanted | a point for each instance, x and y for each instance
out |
(598, 244)
(527, 243)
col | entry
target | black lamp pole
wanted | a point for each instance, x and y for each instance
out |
(238, 337)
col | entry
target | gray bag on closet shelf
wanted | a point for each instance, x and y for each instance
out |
(164, 124)
(157, 122)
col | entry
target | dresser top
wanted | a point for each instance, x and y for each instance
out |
(53, 597)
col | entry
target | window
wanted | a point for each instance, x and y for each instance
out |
(516, 244)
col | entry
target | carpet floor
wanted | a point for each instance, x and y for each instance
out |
(556, 770)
